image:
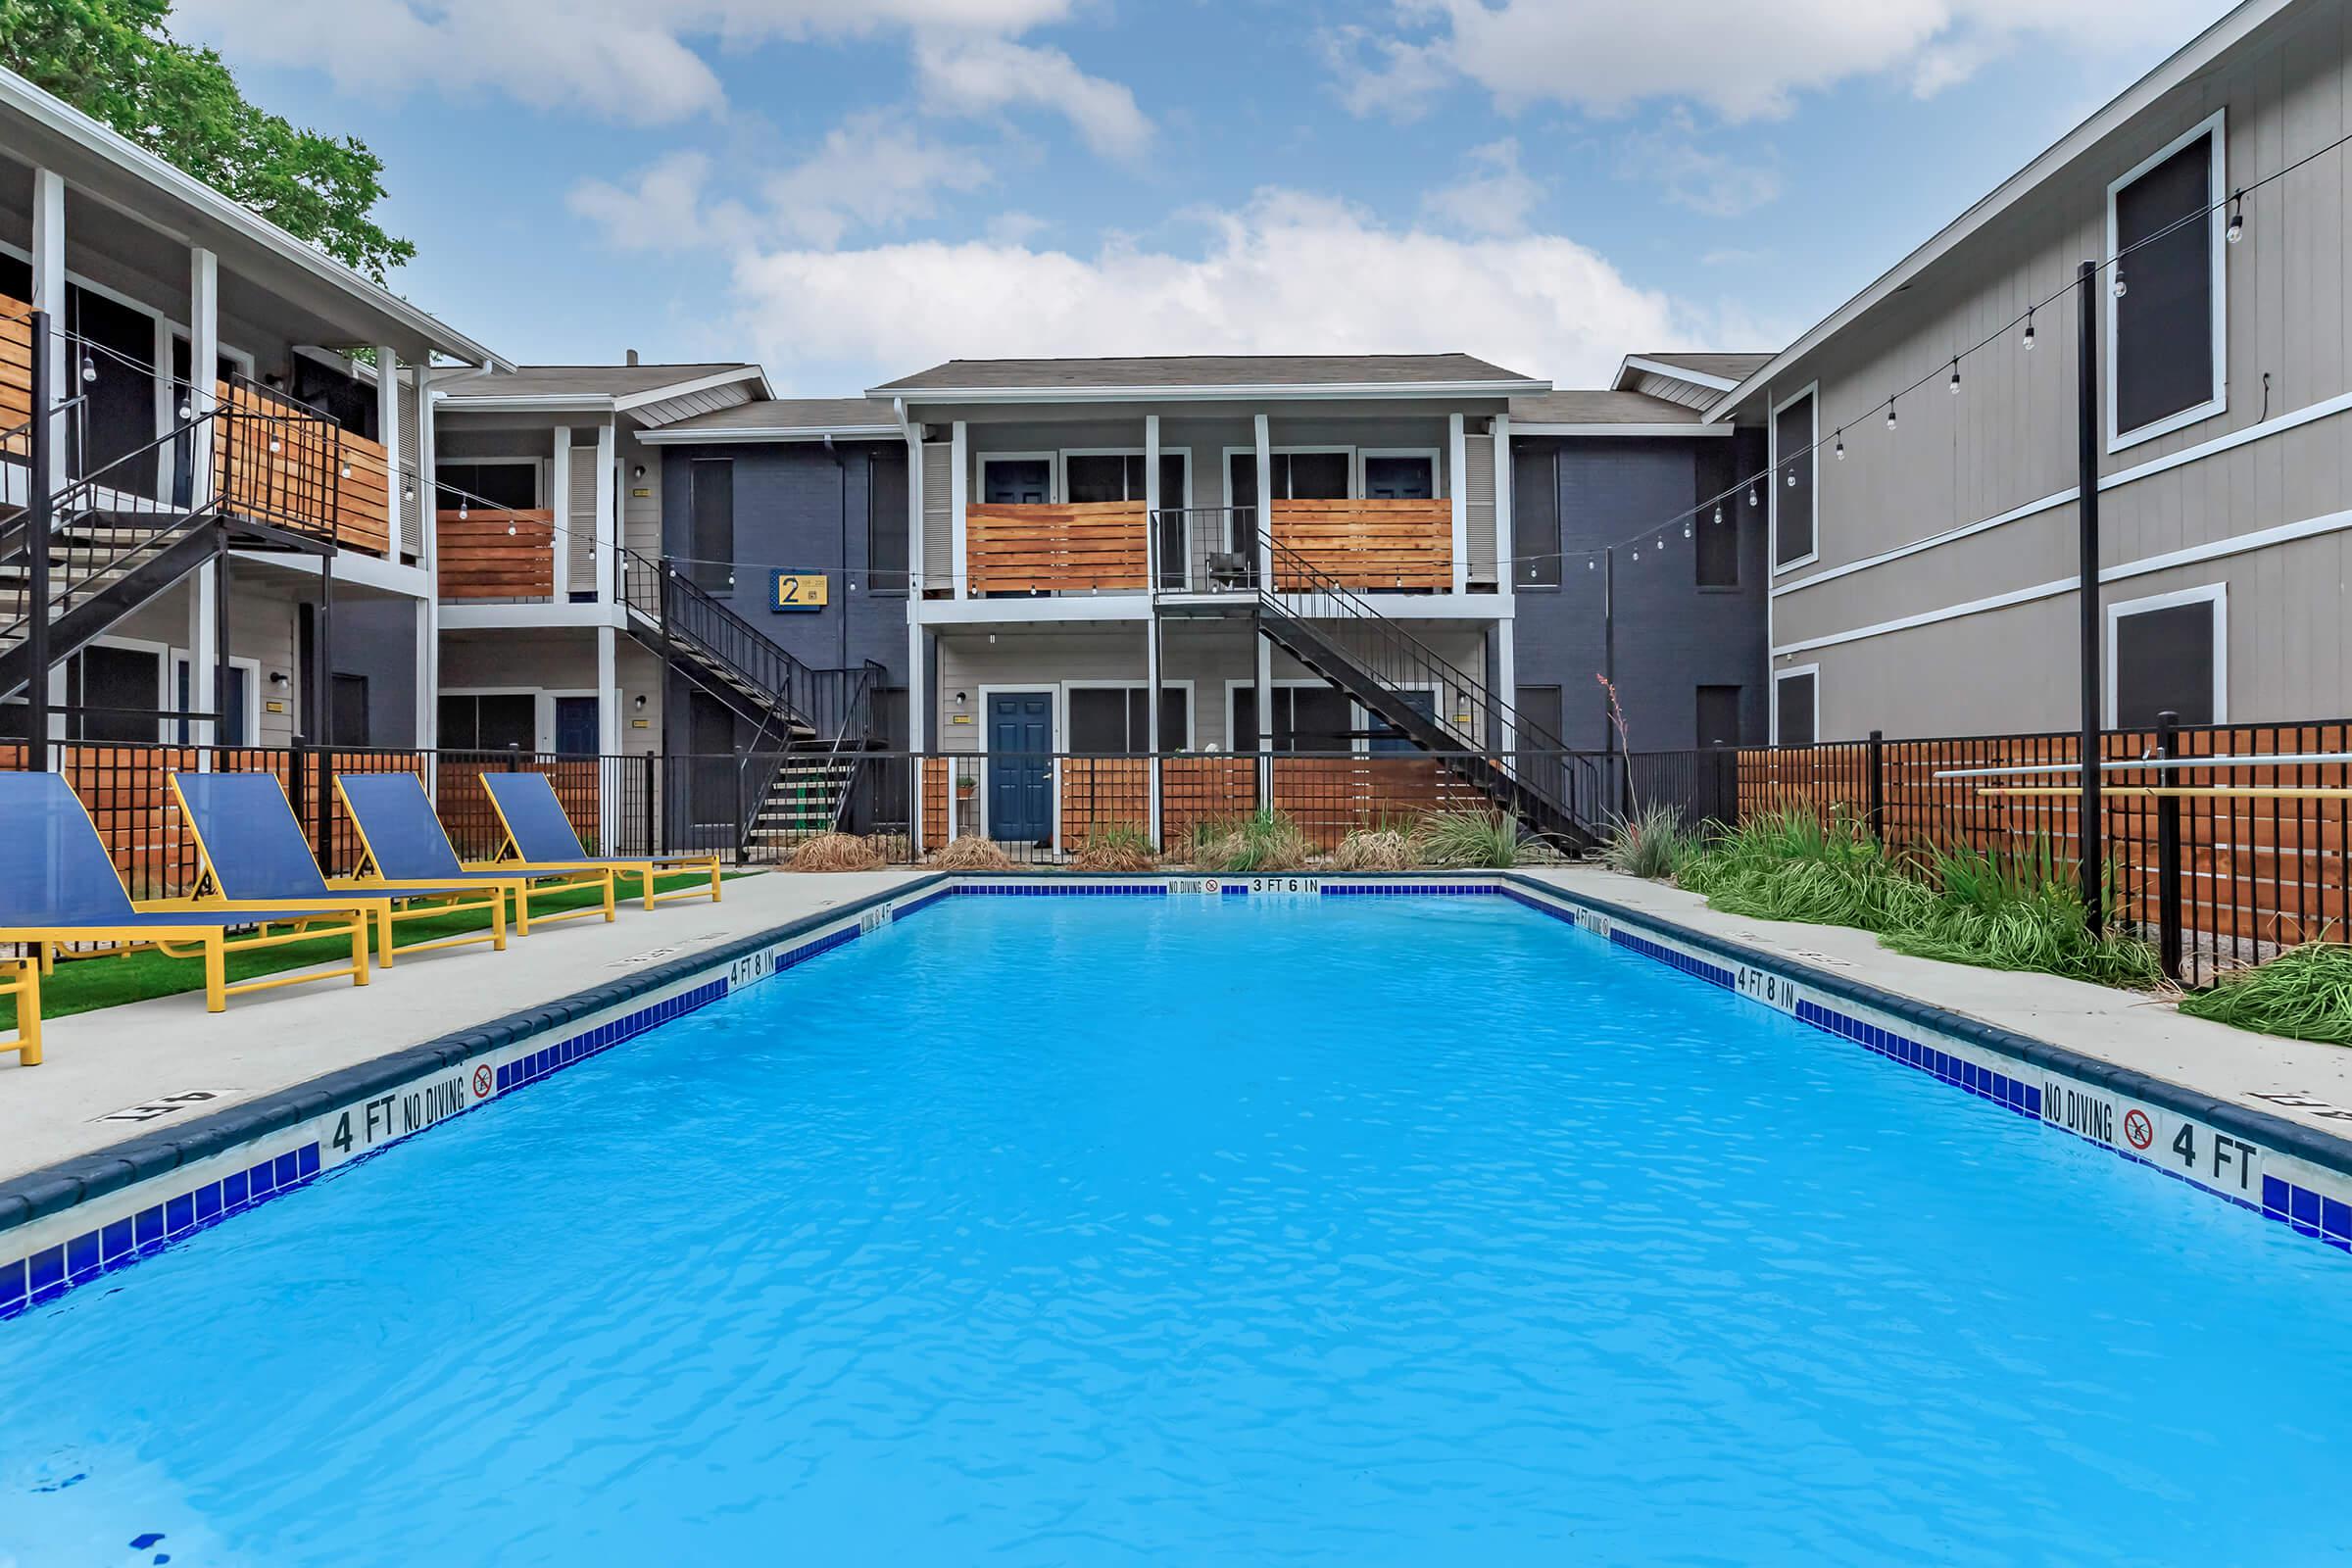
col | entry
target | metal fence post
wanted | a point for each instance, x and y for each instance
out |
(514, 756)
(648, 810)
(1877, 785)
(2168, 848)
(38, 524)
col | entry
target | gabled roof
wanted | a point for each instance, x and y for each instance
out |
(1721, 371)
(2195, 56)
(785, 419)
(1632, 412)
(596, 386)
(1199, 375)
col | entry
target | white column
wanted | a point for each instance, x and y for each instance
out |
(1456, 455)
(1265, 514)
(1266, 721)
(428, 701)
(1506, 683)
(918, 717)
(959, 484)
(559, 501)
(607, 739)
(49, 293)
(914, 436)
(166, 407)
(608, 509)
(428, 653)
(387, 426)
(1504, 572)
(1151, 697)
(1153, 502)
(204, 357)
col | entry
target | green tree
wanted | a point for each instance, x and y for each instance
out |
(117, 60)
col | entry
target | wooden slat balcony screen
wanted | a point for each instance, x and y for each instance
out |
(1369, 544)
(299, 486)
(1087, 546)
(478, 559)
(16, 363)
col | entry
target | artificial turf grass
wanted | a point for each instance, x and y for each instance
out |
(84, 984)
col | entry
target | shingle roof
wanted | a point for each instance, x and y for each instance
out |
(795, 415)
(1601, 408)
(587, 380)
(1205, 371)
(1722, 366)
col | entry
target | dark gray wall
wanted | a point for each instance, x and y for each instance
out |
(790, 504)
(1672, 636)
(377, 638)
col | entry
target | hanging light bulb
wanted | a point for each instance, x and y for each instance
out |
(460, 511)
(183, 410)
(1890, 413)
(731, 583)
(1719, 514)
(2029, 332)
(343, 470)
(1955, 377)
(1661, 544)
(90, 366)
(1752, 495)
(1686, 530)
(510, 531)
(1792, 476)
(2238, 218)
(1589, 566)
(2120, 288)
(408, 490)
(1842, 444)
(1636, 555)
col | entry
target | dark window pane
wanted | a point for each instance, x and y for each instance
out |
(456, 723)
(2164, 322)
(118, 406)
(494, 486)
(1090, 478)
(711, 521)
(120, 694)
(1796, 695)
(1536, 516)
(2164, 660)
(1719, 715)
(349, 710)
(1315, 476)
(1245, 721)
(1320, 720)
(1399, 478)
(886, 525)
(1791, 504)
(507, 719)
(1016, 482)
(1175, 713)
(1098, 719)
(1386, 737)
(1171, 479)
(1538, 710)
(1241, 495)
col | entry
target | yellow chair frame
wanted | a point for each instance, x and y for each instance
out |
(211, 943)
(21, 979)
(618, 865)
(383, 912)
(520, 889)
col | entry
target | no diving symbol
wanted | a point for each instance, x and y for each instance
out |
(2138, 1129)
(484, 1078)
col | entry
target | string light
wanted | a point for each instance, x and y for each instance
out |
(1751, 493)
(2121, 287)
(1890, 413)
(1661, 544)
(343, 470)
(1686, 530)
(1840, 443)
(2029, 339)
(1956, 376)
(89, 368)
(461, 508)
(2238, 218)
(1792, 476)
(1718, 514)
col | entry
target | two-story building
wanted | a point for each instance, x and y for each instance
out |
(238, 551)
(1925, 576)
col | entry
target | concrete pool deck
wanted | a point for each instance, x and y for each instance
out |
(105, 1072)
(2119, 1027)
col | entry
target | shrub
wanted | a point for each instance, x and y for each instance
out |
(1262, 841)
(1485, 839)
(972, 853)
(2019, 908)
(1116, 846)
(1650, 843)
(2304, 994)
(836, 851)
(1374, 849)
(1790, 865)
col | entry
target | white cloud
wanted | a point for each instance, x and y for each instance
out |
(1495, 196)
(1284, 274)
(981, 75)
(631, 59)
(664, 210)
(1672, 161)
(1742, 60)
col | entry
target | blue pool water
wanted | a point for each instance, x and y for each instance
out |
(1361, 1232)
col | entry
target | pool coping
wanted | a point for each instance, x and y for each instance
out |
(120, 1193)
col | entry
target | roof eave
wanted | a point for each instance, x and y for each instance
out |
(675, 436)
(1265, 391)
(700, 384)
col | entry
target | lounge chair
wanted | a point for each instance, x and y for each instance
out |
(402, 846)
(250, 852)
(540, 837)
(58, 885)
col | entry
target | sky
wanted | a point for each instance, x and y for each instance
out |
(853, 190)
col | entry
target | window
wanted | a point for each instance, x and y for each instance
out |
(1401, 476)
(349, 719)
(1119, 476)
(1296, 477)
(2164, 335)
(1539, 711)
(2168, 654)
(1386, 737)
(1307, 718)
(1017, 481)
(711, 521)
(886, 525)
(1718, 715)
(117, 693)
(508, 486)
(1117, 718)
(1535, 515)
(1797, 706)
(335, 392)
(1791, 482)
(489, 721)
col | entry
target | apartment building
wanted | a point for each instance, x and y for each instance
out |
(1924, 568)
(240, 551)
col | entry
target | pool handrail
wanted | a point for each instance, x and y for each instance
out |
(540, 837)
(250, 853)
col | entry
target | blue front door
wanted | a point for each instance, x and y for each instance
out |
(1020, 763)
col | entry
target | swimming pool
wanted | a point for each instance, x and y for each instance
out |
(1377, 1230)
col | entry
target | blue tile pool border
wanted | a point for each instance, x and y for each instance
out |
(81, 1219)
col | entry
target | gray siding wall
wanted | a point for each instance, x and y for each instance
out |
(2007, 441)
(1673, 636)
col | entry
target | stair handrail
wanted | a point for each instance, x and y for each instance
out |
(688, 611)
(1292, 570)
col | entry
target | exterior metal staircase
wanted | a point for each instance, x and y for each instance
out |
(1386, 668)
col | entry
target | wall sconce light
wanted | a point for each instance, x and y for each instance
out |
(277, 678)
(637, 473)
(961, 700)
(638, 702)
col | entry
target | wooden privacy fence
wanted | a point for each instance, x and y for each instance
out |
(1095, 546)
(2257, 866)
(16, 363)
(497, 555)
(281, 462)
(1368, 544)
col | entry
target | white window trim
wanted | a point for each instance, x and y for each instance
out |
(1773, 476)
(1192, 709)
(1792, 673)
(179, 659)
(2215, 222)
(1054, 489)
(2214, 594)
(1437, 468)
